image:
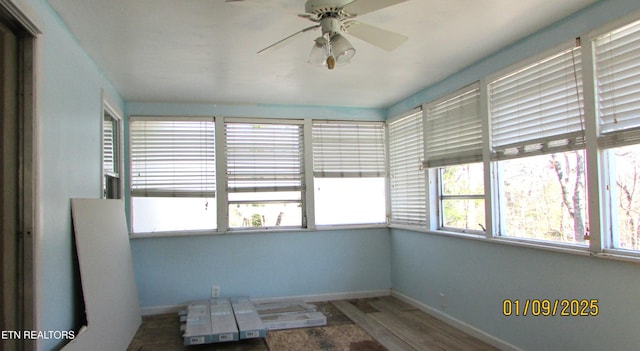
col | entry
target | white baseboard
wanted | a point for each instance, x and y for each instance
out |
(153, 310)
(469, 329)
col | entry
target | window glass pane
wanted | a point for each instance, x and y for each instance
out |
(466, 214)
(265, 215)
(110, 187)
(159, 214)
(349, 200)
(544, 197)
(463, 180)
(626, 207)
(265, 209)
(462, 197)
(265, 196)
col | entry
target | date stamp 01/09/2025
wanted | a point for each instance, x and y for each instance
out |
(550, 307)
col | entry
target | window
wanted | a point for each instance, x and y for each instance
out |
(537, 133)
(461, 197)
(111, 151)
(265, 174)
(349, 172)
(624, 166)
(173, 174)
(408, 176)
(454, 150)
(617, 76)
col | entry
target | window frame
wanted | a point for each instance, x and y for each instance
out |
(493, 161)
(216, 195)
(303, 175)
(456, 158)
(112, 180)
(601, 175)
(338, 172)
(441, 197)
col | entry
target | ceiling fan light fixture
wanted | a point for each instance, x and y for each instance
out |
(319, 52)
(335, 18)
(341, 49)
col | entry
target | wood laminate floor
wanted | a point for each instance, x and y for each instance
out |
(373, 324)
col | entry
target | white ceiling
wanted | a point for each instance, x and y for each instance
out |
(205, 50)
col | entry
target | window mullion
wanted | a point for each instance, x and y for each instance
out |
(309, 216)
(221, 173)
(432, 201)
(460, 197)
(491, 211)
(596, 181)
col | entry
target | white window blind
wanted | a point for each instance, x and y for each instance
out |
(108, 144)
(264, 157)
(617, 61)
(408, 177)
(538, 109)
(348, 149)
(172, 157)
(454, 129)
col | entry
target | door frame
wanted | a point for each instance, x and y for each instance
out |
(17, 16)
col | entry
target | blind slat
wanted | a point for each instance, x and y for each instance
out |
(348, 149)
(108, 142)
(172, 158)
(454, 129)
(542, 101)
(617, 71)
(408, 179)
(264, 157)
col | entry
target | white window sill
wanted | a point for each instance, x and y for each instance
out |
(613, 254)
(186, 233)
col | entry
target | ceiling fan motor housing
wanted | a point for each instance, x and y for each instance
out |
(317, 7)
(331, 25)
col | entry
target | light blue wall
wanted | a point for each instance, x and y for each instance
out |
(69, 86)
(477, 276)
(174, 270)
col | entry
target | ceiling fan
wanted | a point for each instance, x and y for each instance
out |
(336, 18)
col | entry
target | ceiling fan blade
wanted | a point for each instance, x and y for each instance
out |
(376, 36)
(286, 40)
(360, 7)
